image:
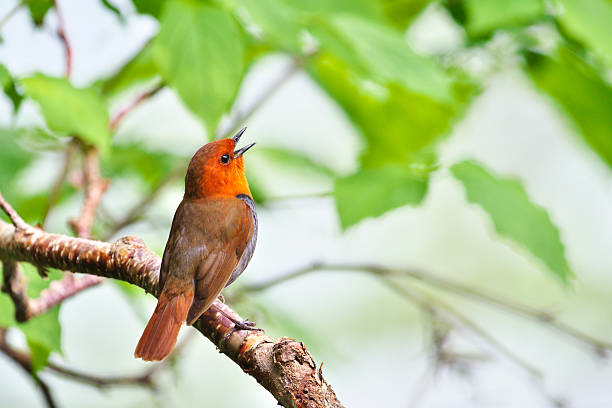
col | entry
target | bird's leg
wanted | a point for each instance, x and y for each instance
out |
(245, 324)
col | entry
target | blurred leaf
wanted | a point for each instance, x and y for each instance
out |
(395, 123)
(139, 69)
(110, 6)
(74, 111)
(485, 16)
(13, 158)
(380, 53)
(364, 8)
(7, 309)
(372, 192)
(402, 12)
(36, 283)
(515, 217)
(150, 166)
(291, 158)
(581, 92)
(278, 21)
(38, 9)
(151, 7)
(45, 332)
(8, 85)
(590, 22)
(39, 355)
(200, 52)
(256, 185)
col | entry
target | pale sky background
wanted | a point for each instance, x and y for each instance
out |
(371, 341)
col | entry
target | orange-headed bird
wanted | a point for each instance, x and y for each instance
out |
(211, 241)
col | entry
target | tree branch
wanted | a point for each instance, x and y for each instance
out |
(239, 117)
(285, 367)
(95, 186)
(448, 286)
(118, 117)
(12, 214)
(56, 189)
(61, 33)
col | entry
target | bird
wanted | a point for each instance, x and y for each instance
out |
(211, 241)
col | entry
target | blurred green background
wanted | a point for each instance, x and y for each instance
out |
(469, 139)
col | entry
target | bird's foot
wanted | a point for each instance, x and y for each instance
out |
(245, 324)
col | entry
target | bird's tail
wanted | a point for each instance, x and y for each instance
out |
(160, 335)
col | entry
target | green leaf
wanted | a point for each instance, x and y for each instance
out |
(382, 54)
(515, 217)
(579, 91)
(7, 310)
(39, 354)
(200, 52)
(373, 192)
(485, 16)
(38, 9)
(73, 111)
(151, 7)
(364, 8)
(280, 23)
(13, 157)
(590, 22)
(44, 331)
(150, 166)
(402, 12)
(396, 124)
(8, 85)
(139, 69)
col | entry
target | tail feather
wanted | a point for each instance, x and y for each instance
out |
(160, 335)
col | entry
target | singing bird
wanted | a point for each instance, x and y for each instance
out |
(211, 241)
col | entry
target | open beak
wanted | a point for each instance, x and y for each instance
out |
(238, 135)
(240, 152)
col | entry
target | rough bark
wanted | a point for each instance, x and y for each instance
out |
(284, 367)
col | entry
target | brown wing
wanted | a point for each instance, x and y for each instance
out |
(226, 225)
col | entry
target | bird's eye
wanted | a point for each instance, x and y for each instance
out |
(225, 159)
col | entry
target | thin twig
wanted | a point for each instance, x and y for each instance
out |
(61, 33)
(139, 210)
(118, 117)
(239, 117)
(15, 285)
(451, 287)
(143, 380)
(56, 189)
(424, 300)
(95, 186)
(23, 360)
(10, 14)
(12, 214)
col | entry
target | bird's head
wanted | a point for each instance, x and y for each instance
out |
(217, 169)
